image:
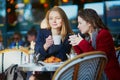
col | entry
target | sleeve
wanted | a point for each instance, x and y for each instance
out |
(77, 49)
(39, 44)
(85, 46)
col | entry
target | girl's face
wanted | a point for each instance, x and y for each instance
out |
(83, 26)
(55, 20)
(31, 38)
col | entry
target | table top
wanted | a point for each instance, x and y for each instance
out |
(41, 66)
(21, 49)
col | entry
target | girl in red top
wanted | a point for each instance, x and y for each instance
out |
(97, 37)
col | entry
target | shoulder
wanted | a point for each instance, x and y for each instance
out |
(44, 31)
(104, 33)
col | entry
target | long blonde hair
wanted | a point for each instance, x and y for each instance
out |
(65, 29)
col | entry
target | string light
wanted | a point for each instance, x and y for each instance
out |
(26, 1)
(9, 10)
(42, 1)
(45, 5)
(65, 1)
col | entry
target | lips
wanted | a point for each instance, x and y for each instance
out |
(54, 24)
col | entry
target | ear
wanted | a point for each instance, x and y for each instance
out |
(88, 24)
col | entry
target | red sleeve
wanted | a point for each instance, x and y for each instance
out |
(85, 46)
(77, 49)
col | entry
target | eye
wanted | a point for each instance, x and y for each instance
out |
(58, 18)
(50, 18)
(79, 22)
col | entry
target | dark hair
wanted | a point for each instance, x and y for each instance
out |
(32, 32)
(91, 16)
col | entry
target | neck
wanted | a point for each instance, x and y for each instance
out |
(90, 32)
(55, 31)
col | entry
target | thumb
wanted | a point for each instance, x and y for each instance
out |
(79, 35)
(49, 37)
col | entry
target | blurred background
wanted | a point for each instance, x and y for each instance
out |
(21, 15)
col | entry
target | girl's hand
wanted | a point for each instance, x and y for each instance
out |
(49, 42)
(32, 45)
(75, 39)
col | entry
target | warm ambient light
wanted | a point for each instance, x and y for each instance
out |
(45, 5)
(9, 10)
(12, 1)
(42, 1)
(65, 1)
(26, 1)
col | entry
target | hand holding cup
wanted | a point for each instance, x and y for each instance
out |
(75, 39)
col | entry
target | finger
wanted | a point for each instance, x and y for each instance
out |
(70, 39)
(72, 42)
(49, 37)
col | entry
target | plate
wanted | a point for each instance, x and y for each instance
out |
(57, 63)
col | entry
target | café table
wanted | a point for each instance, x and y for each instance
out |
(40, 66)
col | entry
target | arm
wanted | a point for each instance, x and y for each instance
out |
(39, 44)
(104, 43)
(85, 46)
(80, 45)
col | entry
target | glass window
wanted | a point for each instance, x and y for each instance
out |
(113, 15)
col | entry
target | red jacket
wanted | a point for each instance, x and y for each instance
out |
(104, 42)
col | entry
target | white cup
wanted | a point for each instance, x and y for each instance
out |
(56, 39)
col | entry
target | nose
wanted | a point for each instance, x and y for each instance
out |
(78, 26)
(54, 20)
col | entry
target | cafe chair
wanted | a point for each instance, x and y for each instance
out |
(86, 66)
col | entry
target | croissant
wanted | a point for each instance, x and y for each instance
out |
(52, 59)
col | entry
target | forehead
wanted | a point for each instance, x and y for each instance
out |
(54, 13)
(30, 35)
(81, 19)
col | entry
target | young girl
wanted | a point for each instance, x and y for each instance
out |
(57, 24)
(98, 38)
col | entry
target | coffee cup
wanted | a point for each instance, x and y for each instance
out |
(57, 39)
